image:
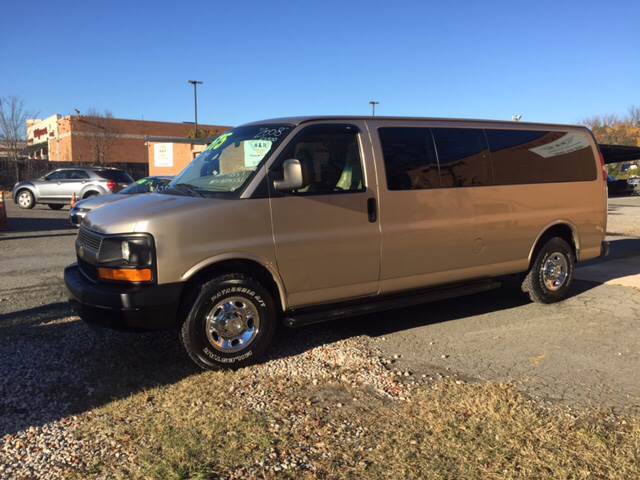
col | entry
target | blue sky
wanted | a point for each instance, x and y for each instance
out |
(557, 61)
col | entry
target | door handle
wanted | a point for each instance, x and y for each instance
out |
(372, 209)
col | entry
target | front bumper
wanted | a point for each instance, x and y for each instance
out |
(123, 307)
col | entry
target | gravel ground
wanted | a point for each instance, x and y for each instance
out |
(53, 387)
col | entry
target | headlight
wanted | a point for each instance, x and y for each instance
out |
(126, 252)
(126, 258)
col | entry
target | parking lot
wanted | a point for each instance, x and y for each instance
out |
(582, 352)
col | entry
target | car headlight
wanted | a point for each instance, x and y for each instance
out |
(126, 258)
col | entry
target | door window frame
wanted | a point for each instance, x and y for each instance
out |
(275, 169)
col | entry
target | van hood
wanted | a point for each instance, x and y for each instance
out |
(145, 213)
(96, 201)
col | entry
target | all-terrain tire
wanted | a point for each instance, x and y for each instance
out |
(249, 299)
(554, 259)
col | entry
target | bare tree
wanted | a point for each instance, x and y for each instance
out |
(103, 134)
(634, 115)
(13, 120)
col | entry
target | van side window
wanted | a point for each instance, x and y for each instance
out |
(330, 158)
(409, 158)
(463, 157)
(523, 156)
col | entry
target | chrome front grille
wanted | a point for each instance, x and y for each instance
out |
(89, 240)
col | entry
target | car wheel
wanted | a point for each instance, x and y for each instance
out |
(25, 199)
(230, 324)
(549, 278)
(55, 206)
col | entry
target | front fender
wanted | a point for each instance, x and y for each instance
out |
(25, 185)
(270, 267)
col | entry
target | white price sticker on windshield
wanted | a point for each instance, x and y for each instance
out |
(255, 151)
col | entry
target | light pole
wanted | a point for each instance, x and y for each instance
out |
(195, 84)
(373, 104)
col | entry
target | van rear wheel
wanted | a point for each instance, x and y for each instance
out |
(231, 323)
(549, 278)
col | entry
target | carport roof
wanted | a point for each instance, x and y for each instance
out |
(619, 153)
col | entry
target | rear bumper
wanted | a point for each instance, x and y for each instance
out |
(123, 307)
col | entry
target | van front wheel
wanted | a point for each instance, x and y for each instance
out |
(231, 323)
(549, 278)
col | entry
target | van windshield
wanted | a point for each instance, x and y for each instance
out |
(229, 161)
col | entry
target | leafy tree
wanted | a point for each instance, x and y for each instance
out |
(615, 130)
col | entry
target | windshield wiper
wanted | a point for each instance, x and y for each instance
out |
(187, 187)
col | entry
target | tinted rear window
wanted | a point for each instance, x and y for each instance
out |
(522, 156)
(115, 175)
(409, 158)
(463, 155)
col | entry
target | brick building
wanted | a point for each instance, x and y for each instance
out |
(170, 156)
(82, 139)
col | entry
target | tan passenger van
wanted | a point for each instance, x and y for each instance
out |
(300, 220)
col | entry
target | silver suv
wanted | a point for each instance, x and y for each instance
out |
(57, 188)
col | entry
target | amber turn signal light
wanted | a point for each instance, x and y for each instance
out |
(125, 274)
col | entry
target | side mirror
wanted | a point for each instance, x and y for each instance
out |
(293, 178)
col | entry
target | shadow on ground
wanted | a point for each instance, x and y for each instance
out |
(38, 224)
(52, 370)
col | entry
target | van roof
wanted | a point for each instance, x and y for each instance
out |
(309, 118)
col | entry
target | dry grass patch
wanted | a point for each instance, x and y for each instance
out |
(245, 425)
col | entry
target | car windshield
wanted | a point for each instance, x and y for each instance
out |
(145, 185)
(229, 161)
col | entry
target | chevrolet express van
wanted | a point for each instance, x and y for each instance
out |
(300, 220)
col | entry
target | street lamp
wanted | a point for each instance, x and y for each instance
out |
(373, 104)
(195, 84)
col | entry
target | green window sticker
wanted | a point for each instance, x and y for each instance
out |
(218, 142)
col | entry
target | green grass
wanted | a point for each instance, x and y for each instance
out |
(199, 429)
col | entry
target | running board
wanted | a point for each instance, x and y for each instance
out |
(320, 314)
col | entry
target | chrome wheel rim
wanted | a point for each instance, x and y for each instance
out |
(232, 324)
(555, 271)
(24, 199)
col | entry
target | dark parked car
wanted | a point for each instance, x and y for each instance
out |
(619, 187)
(56, 188)
(144, 185)
(634, 181)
